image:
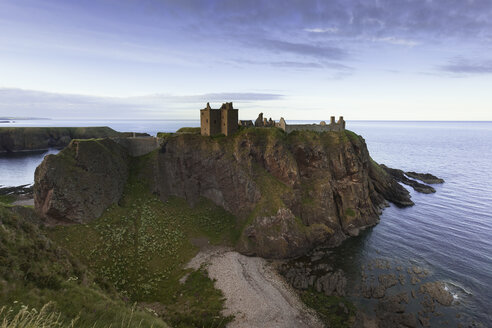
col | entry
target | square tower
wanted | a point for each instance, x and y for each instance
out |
(229, 119)
(210, 121)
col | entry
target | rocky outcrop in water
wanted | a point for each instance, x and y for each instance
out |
(400, 176)
(425, 177)
(19, 139)
(321, 277)
(437, 292)
(291, 192)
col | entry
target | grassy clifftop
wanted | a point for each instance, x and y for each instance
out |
(13, 139)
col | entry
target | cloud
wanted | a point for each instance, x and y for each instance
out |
(322, 30)
(304, 49)
(466, 67)
(29, 103)
(396, 41)
(299, 64)
(218, 97)
(352, 18)
(296, 64)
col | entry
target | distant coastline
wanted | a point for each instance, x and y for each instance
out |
(12, 119)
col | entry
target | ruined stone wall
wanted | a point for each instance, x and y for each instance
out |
(312, 127)
(322, 127)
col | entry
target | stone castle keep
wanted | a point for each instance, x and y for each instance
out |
(215, 121)
(225, 120)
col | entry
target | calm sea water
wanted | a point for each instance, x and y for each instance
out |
(449, 232)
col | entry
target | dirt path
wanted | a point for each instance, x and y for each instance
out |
(254, 292)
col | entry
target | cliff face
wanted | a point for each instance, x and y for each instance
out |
(41, 138)
(290, 192)
(80, 182)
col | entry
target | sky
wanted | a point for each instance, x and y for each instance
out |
(297, 59)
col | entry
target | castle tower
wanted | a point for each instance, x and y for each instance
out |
(341, 123)
(210, 121)
(229, 119)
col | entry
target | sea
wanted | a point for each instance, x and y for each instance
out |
(448, 233)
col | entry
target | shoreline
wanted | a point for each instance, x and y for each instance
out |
(255, 293)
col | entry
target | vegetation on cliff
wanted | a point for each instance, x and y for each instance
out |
(36, 273)
(141, 245)
(13, 139)
(189, 130)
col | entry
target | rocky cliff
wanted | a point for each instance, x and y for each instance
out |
(80, 182)
(289, 192)
(14, 139)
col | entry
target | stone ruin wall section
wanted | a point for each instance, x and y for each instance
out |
(311, 127)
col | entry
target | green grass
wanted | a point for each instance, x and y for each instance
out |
(197, 304)
(141, 245)
(6, 199)
(193, 130)
(377, 168)
(164, 135)
(27, 317)
(350, 212)
(352, 136)
(34, 271)
(334, 311)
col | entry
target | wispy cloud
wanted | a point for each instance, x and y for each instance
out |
(296, 64)
(462, 66)
(322, 30)
(320, 51)
(396, 41)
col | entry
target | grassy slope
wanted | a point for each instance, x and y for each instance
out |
(141, 245)
(34, 272)
(6, 199)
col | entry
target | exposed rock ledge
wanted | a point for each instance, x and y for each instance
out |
(291, 192)
(402, 177)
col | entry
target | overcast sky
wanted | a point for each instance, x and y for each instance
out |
(380, 59)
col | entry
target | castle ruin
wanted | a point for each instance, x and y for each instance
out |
(321, 127)
(216, 121)
(225, 120)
